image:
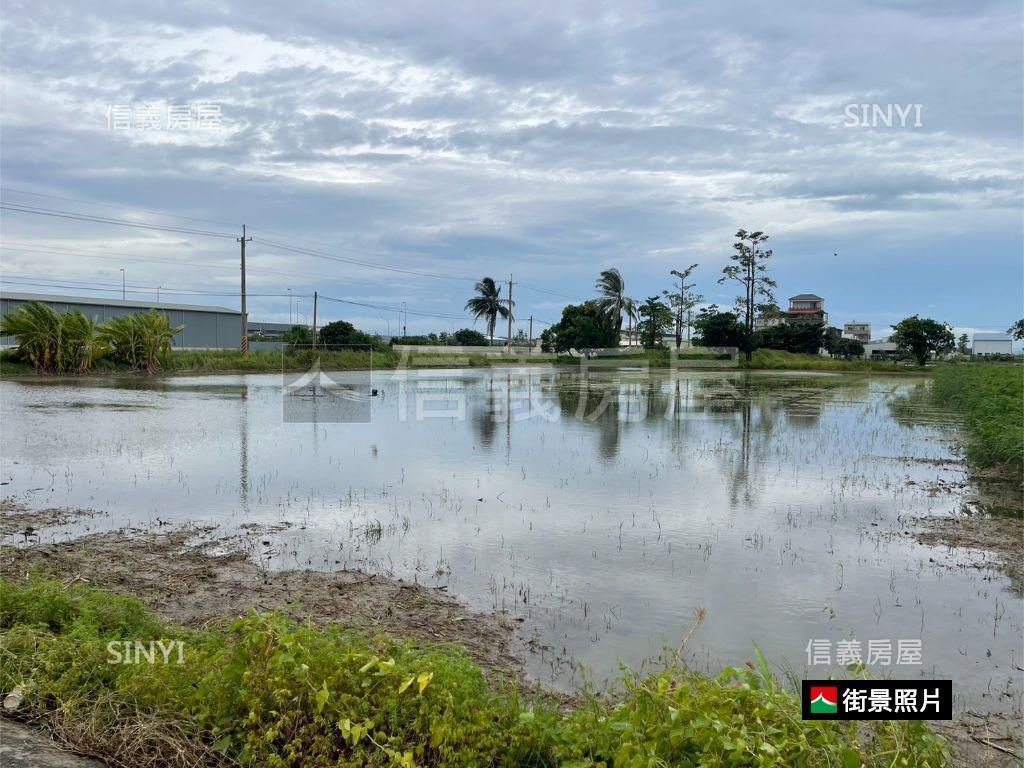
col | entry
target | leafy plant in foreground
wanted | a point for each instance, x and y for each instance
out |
(271, 692)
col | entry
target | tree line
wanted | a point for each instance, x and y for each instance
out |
(756, 321)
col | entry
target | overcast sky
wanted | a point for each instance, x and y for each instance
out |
(546, 139)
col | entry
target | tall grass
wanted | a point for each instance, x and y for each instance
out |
(776, 359)
(270, 692)
(212, 360)
(991, 397)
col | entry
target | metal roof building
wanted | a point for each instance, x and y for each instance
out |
(205, 327)
(992, 344)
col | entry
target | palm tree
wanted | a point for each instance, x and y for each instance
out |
(632, 309)
(488, 304)
(613, 296)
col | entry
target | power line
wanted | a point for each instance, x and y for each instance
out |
(395, 309)
(553, 293)
(118, 206)
(106, 220)
(140, 259)
(82, 285)
(78, 216)
(335, 257)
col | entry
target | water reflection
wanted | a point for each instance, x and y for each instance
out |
(601, 509)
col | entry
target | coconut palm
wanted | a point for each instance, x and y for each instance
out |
(631, 307)
(489, 305)
(613, 296)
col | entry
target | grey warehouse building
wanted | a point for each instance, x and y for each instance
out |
(205, 327)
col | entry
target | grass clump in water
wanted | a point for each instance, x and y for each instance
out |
(271, 692)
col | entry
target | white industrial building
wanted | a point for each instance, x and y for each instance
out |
(992, 344)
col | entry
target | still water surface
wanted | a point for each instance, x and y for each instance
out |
(602, 509)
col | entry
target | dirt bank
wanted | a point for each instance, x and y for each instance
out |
(190, 577)
(987, 532)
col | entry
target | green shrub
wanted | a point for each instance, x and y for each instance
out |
(71, 342)
(53, 342)
(140, 339)
(270, 692)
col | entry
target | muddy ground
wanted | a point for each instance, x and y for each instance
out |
(192, 577)
(988, 530)
(189, 577)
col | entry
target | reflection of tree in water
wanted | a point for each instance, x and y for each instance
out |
(596, 404)
(749, 406)
(746, 408)
(485, 416)
(612, 406)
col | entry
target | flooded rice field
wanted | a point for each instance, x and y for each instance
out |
(601, 510)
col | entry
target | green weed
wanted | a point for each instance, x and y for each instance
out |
(271, 692)
(776, 359)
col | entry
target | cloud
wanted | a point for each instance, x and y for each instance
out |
(544, 139)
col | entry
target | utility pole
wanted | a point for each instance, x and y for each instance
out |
(245, 314)
(289, 307)
(405, 319)
(122, 284)
(314, 319)
(531, 335)
(158, 293)
(510, 314)
(689, 321)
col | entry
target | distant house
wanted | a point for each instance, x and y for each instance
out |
(992, 344)
(806, 308)
(859, 331)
